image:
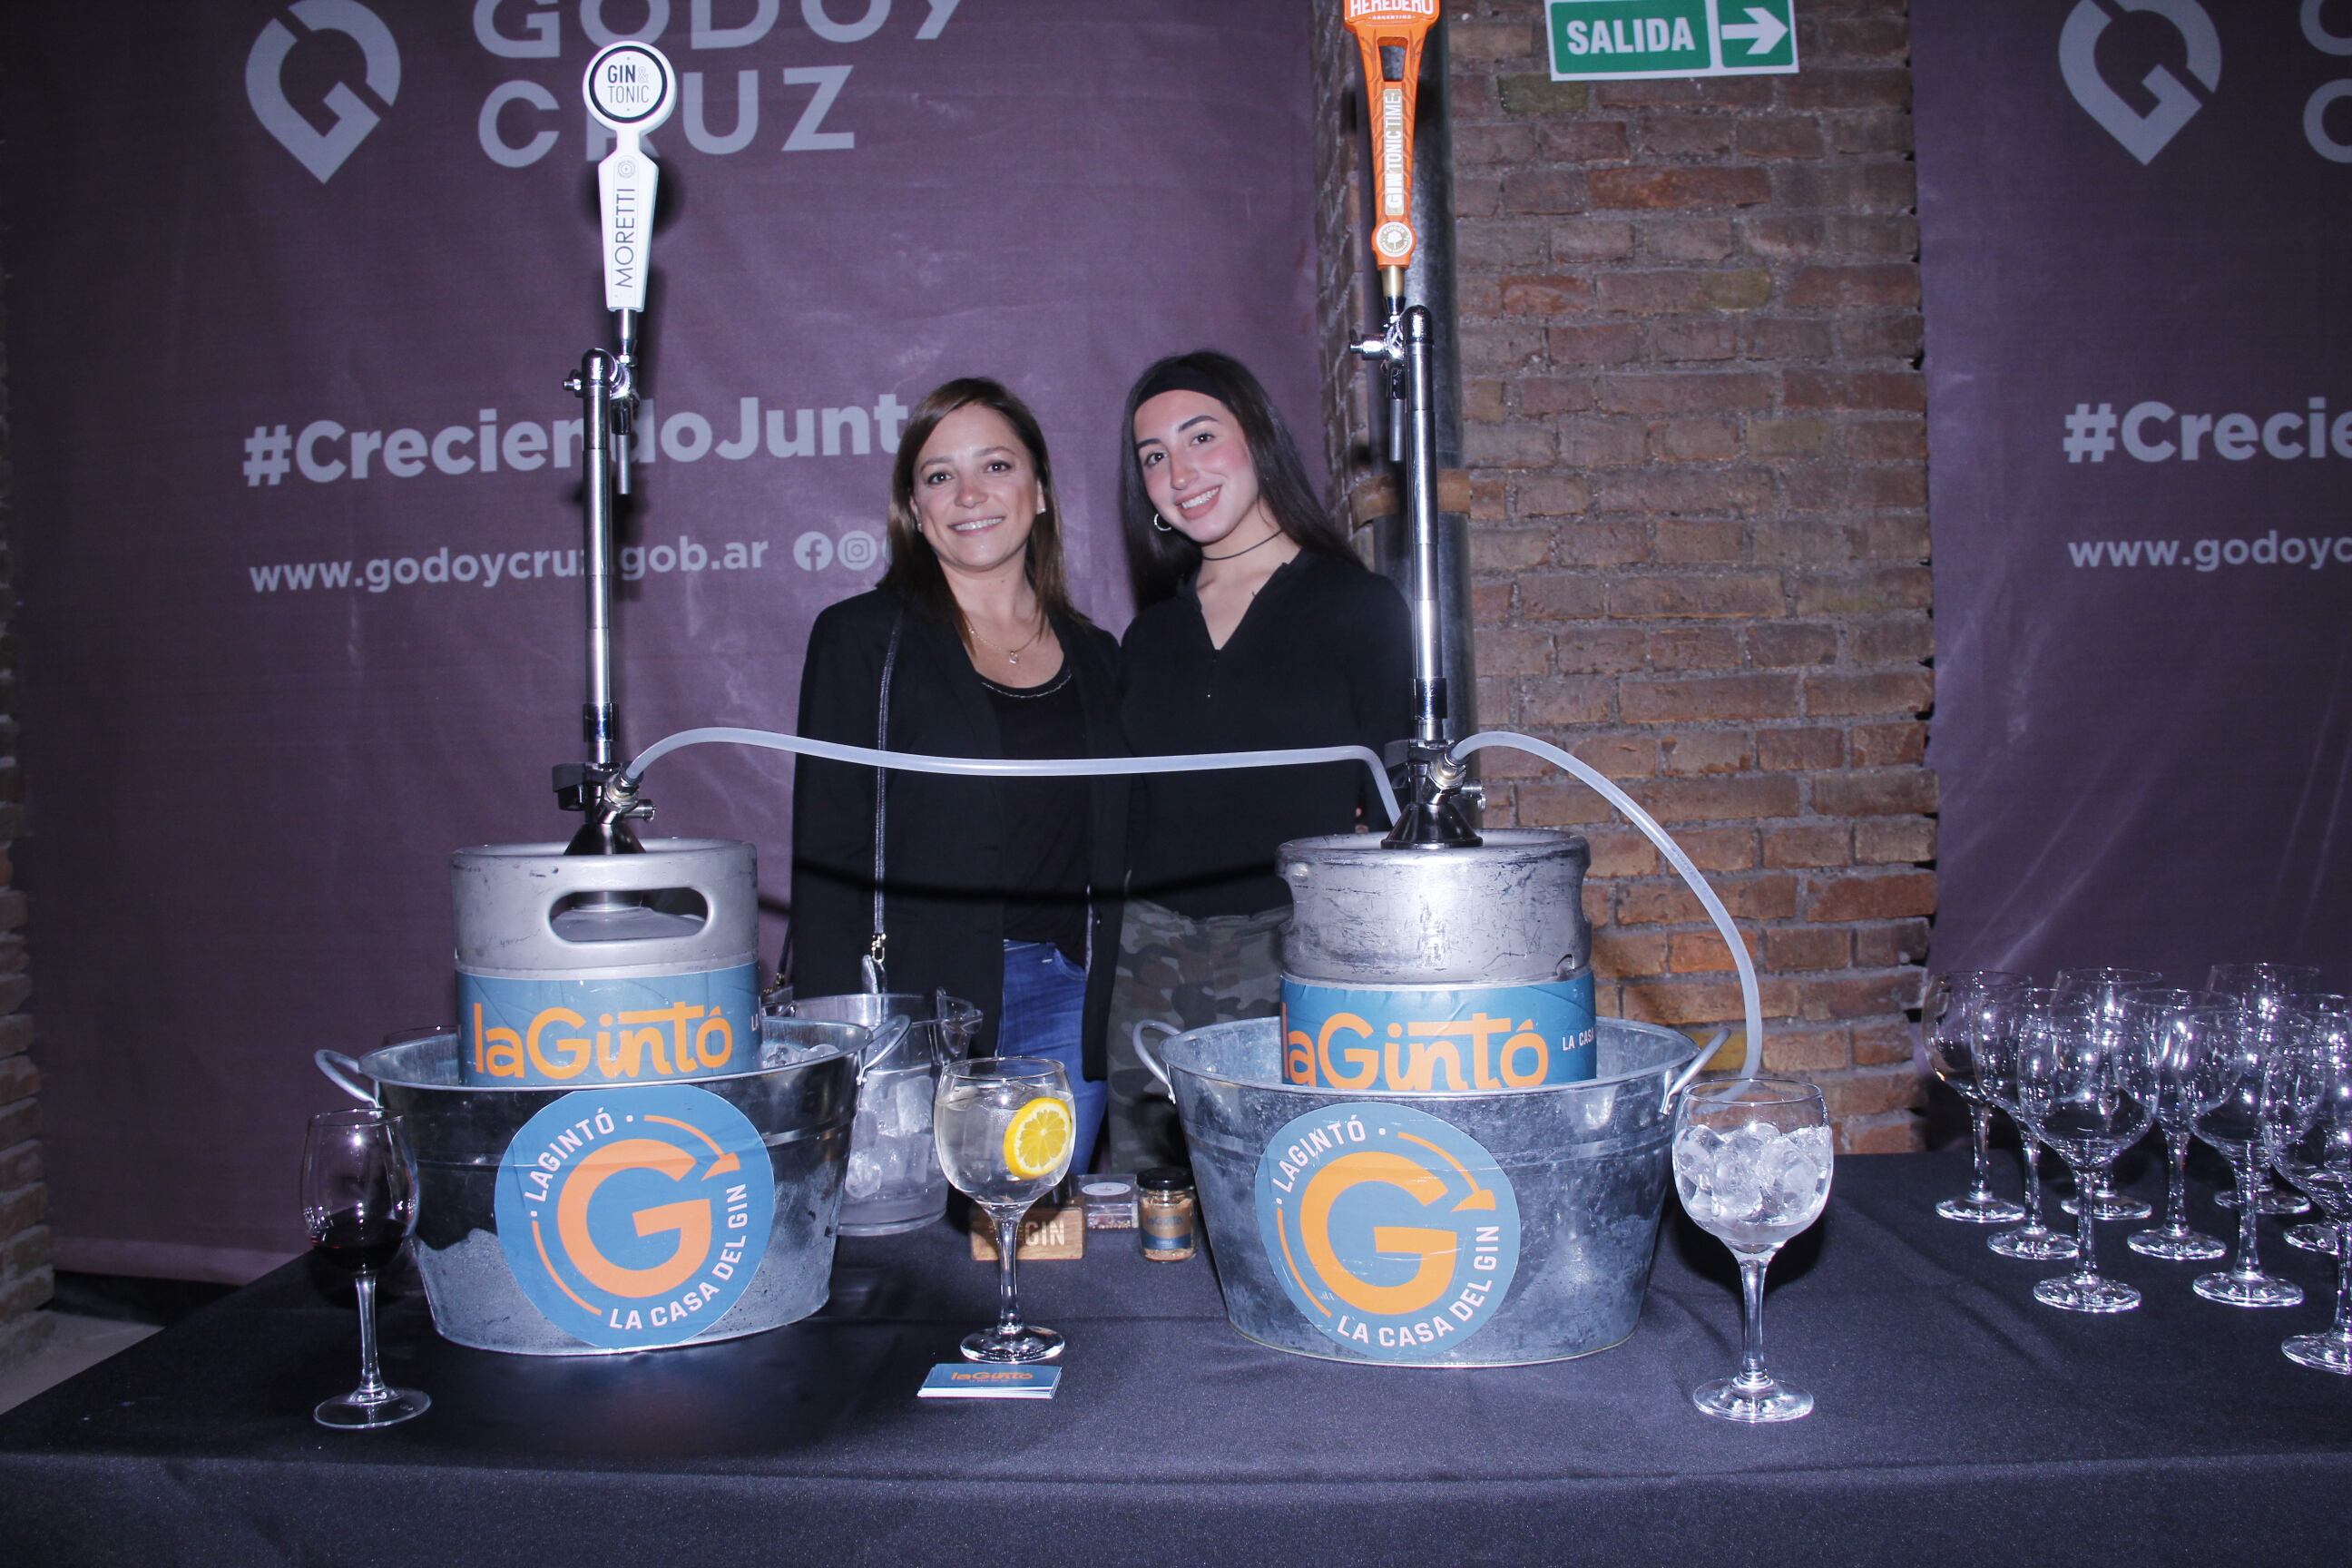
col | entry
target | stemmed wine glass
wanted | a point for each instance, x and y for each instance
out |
(2034, 1241)
(2169, 1030)
(1752, 1159)
(359, 1204)
(1005, 1128)
(2321, 1238)
(2264, 990)
(2226, 1092)
(2075, 1085)
(1955, 1011)
(2308, 1136)
(2105, 988)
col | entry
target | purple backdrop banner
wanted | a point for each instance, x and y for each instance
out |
(293, 291)
(2140, 431)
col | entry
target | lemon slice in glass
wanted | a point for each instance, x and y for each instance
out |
(1037, 1140)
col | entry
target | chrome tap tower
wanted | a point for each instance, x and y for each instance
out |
(630, 89)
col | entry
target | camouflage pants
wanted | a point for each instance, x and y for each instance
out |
(1190, 974)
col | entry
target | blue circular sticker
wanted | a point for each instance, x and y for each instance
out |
(636, 1218)
(1392, 1232)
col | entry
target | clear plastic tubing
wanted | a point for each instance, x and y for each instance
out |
(1751, 1001)
(999, 768)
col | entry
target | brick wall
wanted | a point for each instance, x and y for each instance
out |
(25, 1274)
(1695, 434)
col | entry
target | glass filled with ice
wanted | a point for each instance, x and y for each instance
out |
(1752, 1159)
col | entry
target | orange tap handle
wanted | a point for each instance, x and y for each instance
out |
(1390, 100)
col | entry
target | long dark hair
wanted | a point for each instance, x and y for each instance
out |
(915, 573)
(1161, 562)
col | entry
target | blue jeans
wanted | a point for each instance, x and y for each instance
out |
(1045, 1009)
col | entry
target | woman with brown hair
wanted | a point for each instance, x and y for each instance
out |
(1004, 892)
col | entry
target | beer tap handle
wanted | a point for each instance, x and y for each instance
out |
(631, 89)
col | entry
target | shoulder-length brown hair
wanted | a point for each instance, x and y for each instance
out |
(915, 573)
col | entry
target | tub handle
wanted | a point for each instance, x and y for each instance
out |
(1152, 1063)
(344, 1073)
(883, 1039)
(1698, 1064)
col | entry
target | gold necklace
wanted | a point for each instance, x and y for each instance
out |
(1011, 655)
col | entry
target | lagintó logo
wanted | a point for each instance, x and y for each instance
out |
(1394, 1233)
(636, 1219)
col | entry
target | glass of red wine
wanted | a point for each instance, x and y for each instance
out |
(359, 1204)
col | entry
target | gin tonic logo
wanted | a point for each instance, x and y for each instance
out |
(636, 1220)
(322, 151)
(2142, 132)
(1393, 1233)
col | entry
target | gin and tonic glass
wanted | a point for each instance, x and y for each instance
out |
(1959, 1007)
(1752, 1159)
(2105, 989)
(2076, 1087)
(2307, 1137)
(1005, 1128)
(2169, 1031)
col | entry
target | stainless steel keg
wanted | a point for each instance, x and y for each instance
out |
(588, 969)
(1441, 970)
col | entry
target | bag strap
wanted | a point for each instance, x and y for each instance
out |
(877, 979)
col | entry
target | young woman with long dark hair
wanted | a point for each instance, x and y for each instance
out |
(1004, 892)
(1257, 628)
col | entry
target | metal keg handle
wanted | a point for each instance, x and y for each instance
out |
(1152, 1064)
(345, 1074)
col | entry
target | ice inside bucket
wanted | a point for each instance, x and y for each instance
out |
(894, 1181)
(1447, 1230)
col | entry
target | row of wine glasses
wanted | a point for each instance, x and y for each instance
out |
(2260, 1072)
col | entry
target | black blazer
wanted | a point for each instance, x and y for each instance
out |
(944, 907)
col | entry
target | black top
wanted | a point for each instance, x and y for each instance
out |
(1044, 819)
(1323, 656)
(946, 859)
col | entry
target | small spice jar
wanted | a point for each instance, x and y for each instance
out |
(1168, 1216)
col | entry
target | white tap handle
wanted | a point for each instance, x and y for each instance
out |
(631, 89)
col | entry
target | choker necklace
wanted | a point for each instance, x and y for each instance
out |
(1245, 550)
(1013, 655)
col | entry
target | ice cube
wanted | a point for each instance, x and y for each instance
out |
(915, 1094)
(865, 1177)
(1792, 1173)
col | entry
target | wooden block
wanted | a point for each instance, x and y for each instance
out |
(1047, 1234)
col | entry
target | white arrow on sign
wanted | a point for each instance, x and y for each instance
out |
(1762, 30)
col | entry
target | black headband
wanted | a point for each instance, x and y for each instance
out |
(1176, 375)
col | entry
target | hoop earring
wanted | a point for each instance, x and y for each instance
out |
(1162, 524)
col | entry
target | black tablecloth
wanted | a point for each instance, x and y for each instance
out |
(1957, 1421)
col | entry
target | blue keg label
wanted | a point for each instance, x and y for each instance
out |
(607, 1029)
(633, 1218)
(1421, 1040)
(1393, 1233)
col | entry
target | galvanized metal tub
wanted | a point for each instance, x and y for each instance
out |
(1571, 1176)
(799, 1104)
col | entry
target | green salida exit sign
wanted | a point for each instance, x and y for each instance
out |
(1622, 39)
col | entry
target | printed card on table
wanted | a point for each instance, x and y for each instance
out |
(963, 1380)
